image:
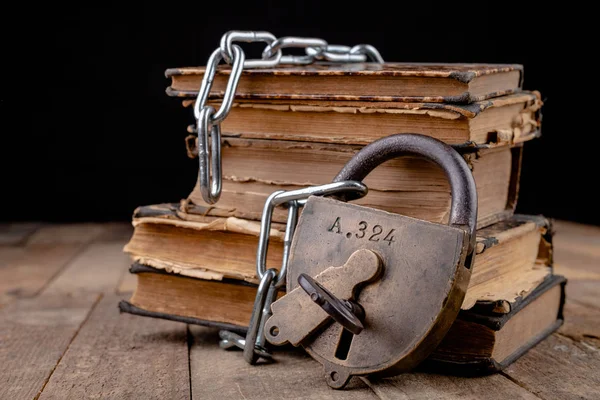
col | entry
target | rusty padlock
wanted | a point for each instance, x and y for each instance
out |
(370, 292)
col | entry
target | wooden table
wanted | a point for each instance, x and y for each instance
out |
(62, 336)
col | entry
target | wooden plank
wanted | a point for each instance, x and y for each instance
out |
(31, 266)
(223, 374)
(66, 233)
(122, 356)
(582, 324)
(575, 264)
(431, 386)
(577, 256)
(9, 254)
(25, 271)
(14, 234)
(99, 268)
(34, 334)
(116, 231)
(558, 368)
(574, 233)
(585, 292)
(577, 246)
(583, 274)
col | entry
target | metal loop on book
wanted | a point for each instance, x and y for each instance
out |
(336, 53)
(209, 121)
(208, 79)
(368, 50)
(209, 174)
(249, 37)
(297, 42)
(294, 199)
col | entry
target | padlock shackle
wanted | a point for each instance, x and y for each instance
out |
(463, 210)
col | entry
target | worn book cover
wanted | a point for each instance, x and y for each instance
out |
(255, 168)
(482, 341)
(499, 121)
(196, 264)
(407, 82)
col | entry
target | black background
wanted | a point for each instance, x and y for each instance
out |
(89, 133)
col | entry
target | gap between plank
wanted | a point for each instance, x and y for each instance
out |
(513, 380)
(24, 239)
(573, 342)
(100, 295)
(64, 266)
(367, 382)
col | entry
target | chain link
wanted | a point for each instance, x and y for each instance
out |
(249, 37)
(368, 50)
(293, 199)
(254, 344)
(209, 121)
(335, 53)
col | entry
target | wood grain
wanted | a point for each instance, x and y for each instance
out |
(218, 373)
(582, 324)
(112, 355)
(24, 271)
(26, 268)
(121, 356)
(577, 250)
(558, 368)
(576, 261)
(66, 233)
(584, 292)
(116, 232)
(583, 274)
(99, 268)
(425, 386)
(17, 233)
(34, 334)
(573, 232)
(577, 256)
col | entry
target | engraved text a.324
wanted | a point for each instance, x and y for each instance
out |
(363, 230)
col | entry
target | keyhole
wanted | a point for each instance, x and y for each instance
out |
(343, 347)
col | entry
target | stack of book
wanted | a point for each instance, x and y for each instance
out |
(293, 127)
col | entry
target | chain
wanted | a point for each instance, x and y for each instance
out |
(254, 345)
(293, 199)
(208, 120)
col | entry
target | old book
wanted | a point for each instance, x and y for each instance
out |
(426, 82)
(226, 303)
(501, 120)
(481, 341)
(512, 258)
(255, 168)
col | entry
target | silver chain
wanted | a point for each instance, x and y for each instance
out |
(208, 120)
(254, 345)
(293, 199)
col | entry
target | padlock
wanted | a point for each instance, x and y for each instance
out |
(387, 320)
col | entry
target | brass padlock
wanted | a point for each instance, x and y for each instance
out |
(418, 272)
